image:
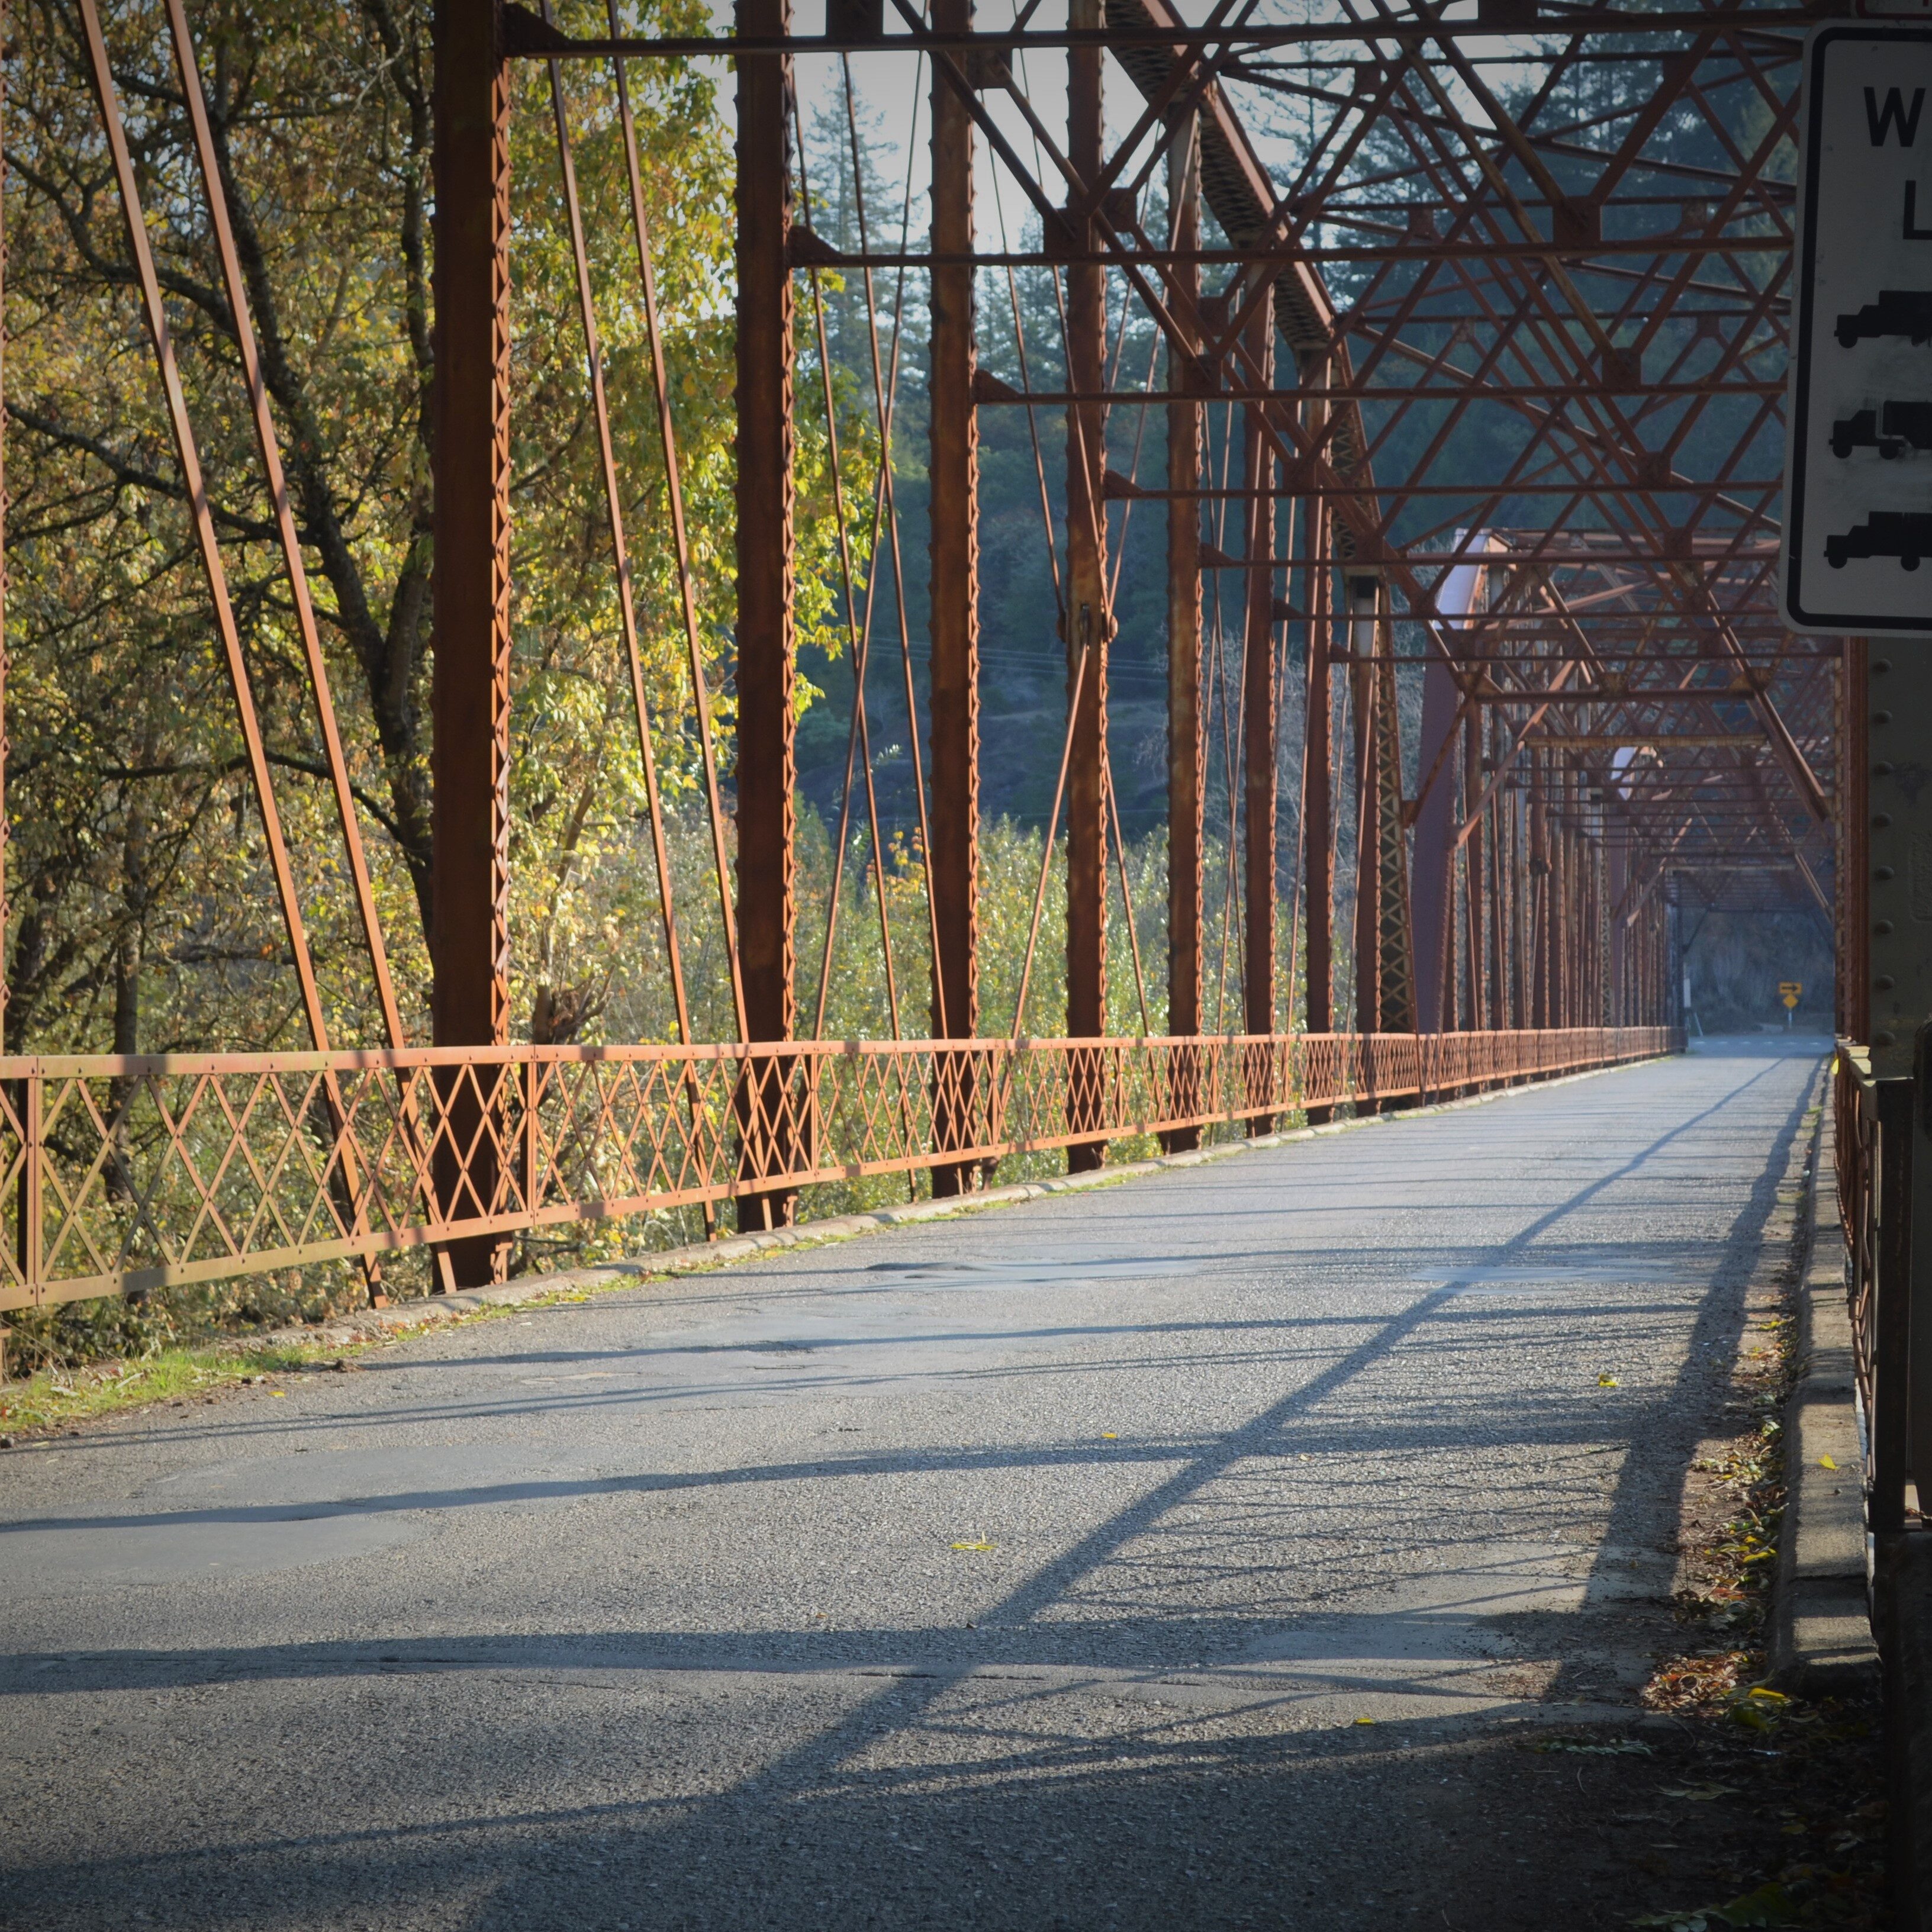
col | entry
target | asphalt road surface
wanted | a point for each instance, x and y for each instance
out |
(1032, 1569)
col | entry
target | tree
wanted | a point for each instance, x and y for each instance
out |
(144, 915)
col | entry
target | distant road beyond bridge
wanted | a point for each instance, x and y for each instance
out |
(1035, 1568)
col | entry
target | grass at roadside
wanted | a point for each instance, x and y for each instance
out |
(58, 1398)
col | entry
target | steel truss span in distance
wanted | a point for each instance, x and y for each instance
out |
(1459, 408)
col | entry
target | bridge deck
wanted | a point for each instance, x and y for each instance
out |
(1031, 1569)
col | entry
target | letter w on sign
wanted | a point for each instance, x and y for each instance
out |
(1894, 114)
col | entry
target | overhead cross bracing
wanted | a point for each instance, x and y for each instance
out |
(1567, 305)
(1456, 397)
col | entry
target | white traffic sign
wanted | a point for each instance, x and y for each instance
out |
(1858, 498)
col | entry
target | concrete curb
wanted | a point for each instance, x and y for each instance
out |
(1821, 1641)
(380, 1323)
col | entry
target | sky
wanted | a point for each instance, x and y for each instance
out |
(894, 90)
(895, 87)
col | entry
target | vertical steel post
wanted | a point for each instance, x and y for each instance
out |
(1536, 963)
(469, 941)
(32, 1233)
(1476, 872)
(1502, 953)
(1890, 1421)
(1363, 600)
(1621, 931)
(1318, 811)
(1600, 911)
(1560, 911)
(1890, 838)
(1186, 745)
(1395, 938)
(28, 1196)
(1516, 881)
(1258, 706)
(1853, 881)
(766, 912)
(1646, 1013)
(1642, 947)
(1576, 910)
(5, 837)
(1436, 979)
(1089, 624)
(1587, 1010)
(1582, 913)
(1562, 925)
(1552, 904)
(954, 472)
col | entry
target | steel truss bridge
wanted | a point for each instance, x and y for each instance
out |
(1473, 387)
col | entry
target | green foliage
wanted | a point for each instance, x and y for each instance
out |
(142, 917)
(145, 915)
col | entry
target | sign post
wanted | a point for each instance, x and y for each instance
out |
(1790, 992)
(1857, 499)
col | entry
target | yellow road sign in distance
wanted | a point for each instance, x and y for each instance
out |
(1790, 992)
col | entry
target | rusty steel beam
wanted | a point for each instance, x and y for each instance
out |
(1674, 694)
(1301, 485)
(532, 39)
(1318, 830)
(268, 450)
(1002, 396)
(469, 939)
(954, 472)
(1480, 962)
(1435, 878)
(812, 250)
(6, 825)
(1186, 740)
(1853, 881)
(767, 911)
(201, 517)
(1089, 619)
(1258, 801)
(1364, 597)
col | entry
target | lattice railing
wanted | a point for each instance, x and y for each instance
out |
(1872, 1142)
(119, 1174)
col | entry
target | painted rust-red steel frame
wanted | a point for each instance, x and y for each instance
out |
(1585, 767)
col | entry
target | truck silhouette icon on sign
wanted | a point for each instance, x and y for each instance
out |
(1906, 312)
(1905, 535)
(1899, 426)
